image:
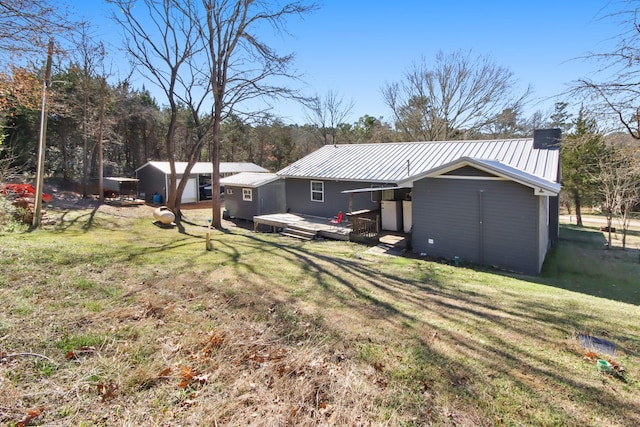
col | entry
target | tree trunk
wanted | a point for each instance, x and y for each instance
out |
(170, 147)
(215, 159)
(609, 230)
(576, 201)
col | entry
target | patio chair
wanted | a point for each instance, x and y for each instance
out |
(337, 220)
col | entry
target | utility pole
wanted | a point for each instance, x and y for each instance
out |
(42, 142)
(103, 91)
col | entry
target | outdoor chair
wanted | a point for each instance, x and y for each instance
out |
(337, 220)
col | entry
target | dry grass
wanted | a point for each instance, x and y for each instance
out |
(110, 320)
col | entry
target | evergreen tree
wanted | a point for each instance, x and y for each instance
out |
(581, 153)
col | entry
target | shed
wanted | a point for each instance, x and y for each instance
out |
(154, 178)
(114, 186)
(248, 194)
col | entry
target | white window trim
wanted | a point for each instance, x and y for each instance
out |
(312, 191)
(247, 194)
(229, 190)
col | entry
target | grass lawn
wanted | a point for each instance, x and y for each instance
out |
(108, 319)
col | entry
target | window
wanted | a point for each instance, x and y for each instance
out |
(247, 194)
(317, 191)
(229, 190)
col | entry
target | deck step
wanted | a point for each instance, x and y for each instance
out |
(301, 233)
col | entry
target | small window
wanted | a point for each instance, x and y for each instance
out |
(229, 190)
(247, 194)
(317, 191)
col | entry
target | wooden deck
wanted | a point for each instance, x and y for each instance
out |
(322, 226)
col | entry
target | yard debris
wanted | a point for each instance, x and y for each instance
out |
(28, 419)
(598, 345)
(107, 391)
(23, 198)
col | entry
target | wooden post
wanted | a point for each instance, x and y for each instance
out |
(208, 237)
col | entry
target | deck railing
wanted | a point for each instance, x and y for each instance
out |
(364, 230)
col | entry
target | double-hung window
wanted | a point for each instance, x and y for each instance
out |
(317, 191)
(247, 194)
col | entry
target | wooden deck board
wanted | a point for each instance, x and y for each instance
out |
(322, 225)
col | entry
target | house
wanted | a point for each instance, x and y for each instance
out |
(491, 202)
(248, 194)
(153, 179)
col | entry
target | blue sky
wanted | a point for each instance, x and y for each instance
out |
(354, 47)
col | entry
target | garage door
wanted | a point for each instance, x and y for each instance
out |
(190, 194)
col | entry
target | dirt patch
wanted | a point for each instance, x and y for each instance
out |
(64, 201)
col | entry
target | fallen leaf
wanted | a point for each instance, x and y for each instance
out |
(164, 373)
(187, 373)
(107, 391)
(31, 415)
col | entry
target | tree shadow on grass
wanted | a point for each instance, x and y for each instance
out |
(485, 338)
(468, 343)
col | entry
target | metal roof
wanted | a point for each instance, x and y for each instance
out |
(395, 162)
(250, 179)
(206, 167)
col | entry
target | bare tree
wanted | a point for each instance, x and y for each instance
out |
(196, 51)
(614, 91)
(328, 113)
(619, 187)
(89, 56)
(27, 25)
(458, 96)
(242, 67)
(167, 47)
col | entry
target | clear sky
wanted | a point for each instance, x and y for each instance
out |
(354, 47)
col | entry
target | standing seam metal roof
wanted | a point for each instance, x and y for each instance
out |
(250, 179)
(205, 167)
(394, 162)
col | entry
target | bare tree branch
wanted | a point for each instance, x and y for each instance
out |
(459, 95)
(613, 91)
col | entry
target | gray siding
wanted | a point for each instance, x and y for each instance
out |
(543, 233)
(151, 181)
(554, 219)
(299, 197)
(266, 199)
(469, 171)
(481, 221)
(235, 206)
(272, 198)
